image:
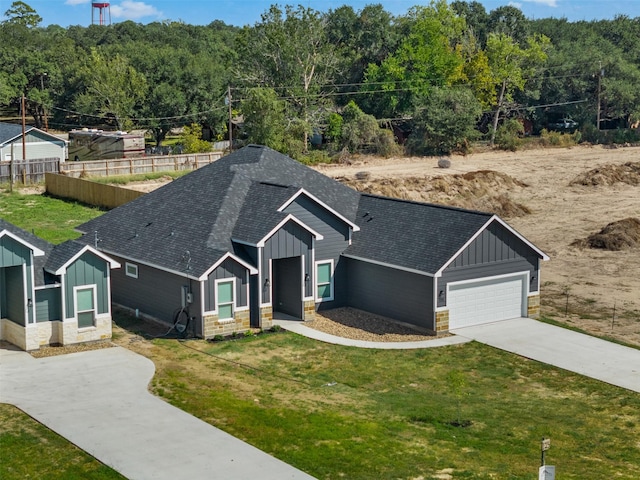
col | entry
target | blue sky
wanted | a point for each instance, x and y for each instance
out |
(243, 12)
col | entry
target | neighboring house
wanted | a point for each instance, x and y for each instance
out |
(39, 144)
(257, 234)
(52, 294)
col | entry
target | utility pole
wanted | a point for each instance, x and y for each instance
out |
(230, 119)
(24, 128)
(600, 75)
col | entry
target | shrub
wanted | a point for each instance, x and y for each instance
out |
(559, 139)
(508, 135)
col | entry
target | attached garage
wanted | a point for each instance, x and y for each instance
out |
(487, 300)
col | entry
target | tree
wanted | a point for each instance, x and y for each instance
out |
(264, 118)
(192, 139)
(511, 66)
(289, 51)
(428, 57)
(22, 14)
(110, 87)
(446, 123)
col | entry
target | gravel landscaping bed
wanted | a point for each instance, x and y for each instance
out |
(359, 325)
(50, 351)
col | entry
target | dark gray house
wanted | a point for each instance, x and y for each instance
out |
(52, 294)
(256, 234)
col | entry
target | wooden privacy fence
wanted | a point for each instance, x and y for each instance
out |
(28, 171)
(88, 192)
(132, 166)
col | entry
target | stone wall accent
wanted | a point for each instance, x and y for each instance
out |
(240, 323)
(17, 335)
(309, 310)
(70, 333)
(442, 321)
(533, 306)
(266, 317)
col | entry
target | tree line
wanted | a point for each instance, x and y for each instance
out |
(438, 77)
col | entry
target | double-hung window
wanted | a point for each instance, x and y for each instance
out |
(85, 307)
(225, 300)
(324, 281)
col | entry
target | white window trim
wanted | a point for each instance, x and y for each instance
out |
(231, 280)
(331, 281)
(94, 290)
(126, 270)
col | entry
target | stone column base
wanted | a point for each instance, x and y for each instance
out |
(442, 321)
(266, 317)
(309, 310)
(533, 306)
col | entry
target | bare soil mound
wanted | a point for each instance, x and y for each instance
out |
(472, 190)
(608, 175)
(619, 235)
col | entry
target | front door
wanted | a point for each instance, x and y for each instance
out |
(287, 286)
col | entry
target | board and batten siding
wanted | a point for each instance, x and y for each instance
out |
(15, 300)
(291, 240)
(155, 292)
(335, 241)
(13, 255)
(48, 304)
(400, 295)
(88, 269)
(496, 251)
(228, 269)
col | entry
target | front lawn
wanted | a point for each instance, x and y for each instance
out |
(339, 412)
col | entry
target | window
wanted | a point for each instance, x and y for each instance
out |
(131, 270)
(324, 281)
(224, 300)
(85, 307)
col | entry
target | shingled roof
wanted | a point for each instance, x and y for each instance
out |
(415, 236)
(188, 224)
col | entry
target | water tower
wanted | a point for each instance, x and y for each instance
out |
(104, 9)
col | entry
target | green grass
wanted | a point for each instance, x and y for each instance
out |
(390, 414)
(30, 450)
(49, 218)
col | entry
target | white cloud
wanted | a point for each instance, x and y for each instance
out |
(76, 2)
(547, 3)
(130, 10)
(517, 5)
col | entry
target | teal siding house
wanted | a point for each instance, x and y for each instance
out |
(52, 295)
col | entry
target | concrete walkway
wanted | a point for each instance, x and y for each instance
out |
(297, 326)
(573, 351)
(99, 401)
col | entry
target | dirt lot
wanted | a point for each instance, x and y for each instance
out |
(533, 190)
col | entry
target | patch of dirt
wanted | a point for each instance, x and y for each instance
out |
(620, 235)
(358, 325)
(50, 351)
(608, 175)
(484, 190)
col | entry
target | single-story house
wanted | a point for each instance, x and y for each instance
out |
(39, 144)
(257, 234)
(52, 295)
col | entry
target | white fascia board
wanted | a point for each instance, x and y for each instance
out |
(317, 235)
(479, 232)
(112, 263)
(389, 265)
(252, 270)
(36, 251)
(302, 191)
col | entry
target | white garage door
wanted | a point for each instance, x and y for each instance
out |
(486, 301)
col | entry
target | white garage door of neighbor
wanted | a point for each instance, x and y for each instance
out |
(486, 301)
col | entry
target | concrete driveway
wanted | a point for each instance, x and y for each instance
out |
(99, 401)
(576, 352)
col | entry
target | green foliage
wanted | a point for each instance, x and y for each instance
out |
(559, 139)
(508, 135)
(446, 123)
(192, 139)
(334, 128)
(361, 133)
(22, 14)
(264, 118)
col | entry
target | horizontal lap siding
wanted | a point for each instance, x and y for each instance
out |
(403, 296)
(48, 304)
(228, 269)
(335, 241)
(155, 292)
